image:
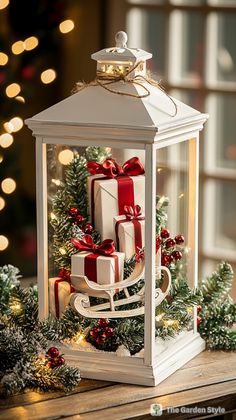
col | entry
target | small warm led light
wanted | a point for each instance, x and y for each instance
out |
(3, 242)
(80, 338)
(181, 195)
(20, 99)
(62, 251)
(3, 59)
(52, 215)
(2, 203)
(159, 170)
(66, 26)
(6, 140)
(56, 181)
(18, 47)
(31, 43)
(8, 127)
(47, 76)
(8, 185)
(65, 156)
(16, 123)
(3, 4)
(159, 317)
(13, 90)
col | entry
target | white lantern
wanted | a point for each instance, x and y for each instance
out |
(127, 112)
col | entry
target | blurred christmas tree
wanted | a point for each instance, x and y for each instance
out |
(31, 34)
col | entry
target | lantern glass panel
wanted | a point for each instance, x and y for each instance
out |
(176, 204)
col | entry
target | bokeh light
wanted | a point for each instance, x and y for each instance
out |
(31, 43)
(3, 242)
(3, 59)
(66, 26)
(65, 156)
(8, 185)
(3, 4)
(47, 76)
(6, 140)
(18, 47)
(13, 90)
(2, 203)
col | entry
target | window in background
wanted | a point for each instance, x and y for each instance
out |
(193, 46)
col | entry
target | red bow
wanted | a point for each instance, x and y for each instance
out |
(133, 212)
(106, 248)
(111, 169)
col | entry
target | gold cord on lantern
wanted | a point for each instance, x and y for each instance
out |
(104, 79)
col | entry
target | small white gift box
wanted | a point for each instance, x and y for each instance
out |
(98, 268)
(130, 235)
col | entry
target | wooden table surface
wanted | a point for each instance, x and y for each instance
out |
(207, 380)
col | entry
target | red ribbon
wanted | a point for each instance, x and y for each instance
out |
(64, 276)
(106, 248)
(122, 174)
(133, 214)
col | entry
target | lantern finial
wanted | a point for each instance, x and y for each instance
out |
(121, 39)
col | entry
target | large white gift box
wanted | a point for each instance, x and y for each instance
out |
(98, 268)
(59, 295)
(105, 201)
(127, 236)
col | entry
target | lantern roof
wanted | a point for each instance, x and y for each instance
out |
(121, 52)
(131, 103)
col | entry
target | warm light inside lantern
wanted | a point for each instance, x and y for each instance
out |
(65, 156)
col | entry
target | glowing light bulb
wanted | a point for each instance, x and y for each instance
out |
(47, 76)
(31, 43)
(3, 242)
(62, 251)
(52, 215)
(6, 140)
(16, 123)
(8, 127)
(3, 59)
(13, 90)
(56, 181)
(3, 4)
(20, 99)
(2, 203)
(18, 47)
(66, 26)
(8, 185)
(65, 156)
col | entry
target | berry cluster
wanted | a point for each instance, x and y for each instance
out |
(100, 333)
(54, 358)
(80, 220)
(199, 319)
(168, 245)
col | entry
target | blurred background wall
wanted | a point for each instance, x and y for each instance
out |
(194, 53)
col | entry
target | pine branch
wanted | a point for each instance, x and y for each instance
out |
(215, 287)
(9, 278)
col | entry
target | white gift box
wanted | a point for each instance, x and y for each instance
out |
(59, 295)
(103, 266)
(106, 202)
(126, 235)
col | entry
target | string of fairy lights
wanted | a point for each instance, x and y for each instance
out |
(14, 92)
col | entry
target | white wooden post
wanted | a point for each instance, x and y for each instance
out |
(194, 144)
(42, 226)
(150, 238)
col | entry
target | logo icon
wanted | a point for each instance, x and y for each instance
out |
(156, 410)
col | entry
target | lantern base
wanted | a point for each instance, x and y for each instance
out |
(129, 369)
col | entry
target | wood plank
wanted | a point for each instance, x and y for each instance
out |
(180, 399)
(118, 395)
(30, 397)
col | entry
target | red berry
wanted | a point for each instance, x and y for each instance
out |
(199, 308)
(177, 255)
(73, 211)
(88, 228)
(94, 332)
(53, 352)
(100, 340)
(50, 364)
(199, 320)
(165, 233)
(109, 332)
(59, 361)
(166, 259)
(170, 243)
(79, 219)
(179, 239)
(102, 322)
(158, 243)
